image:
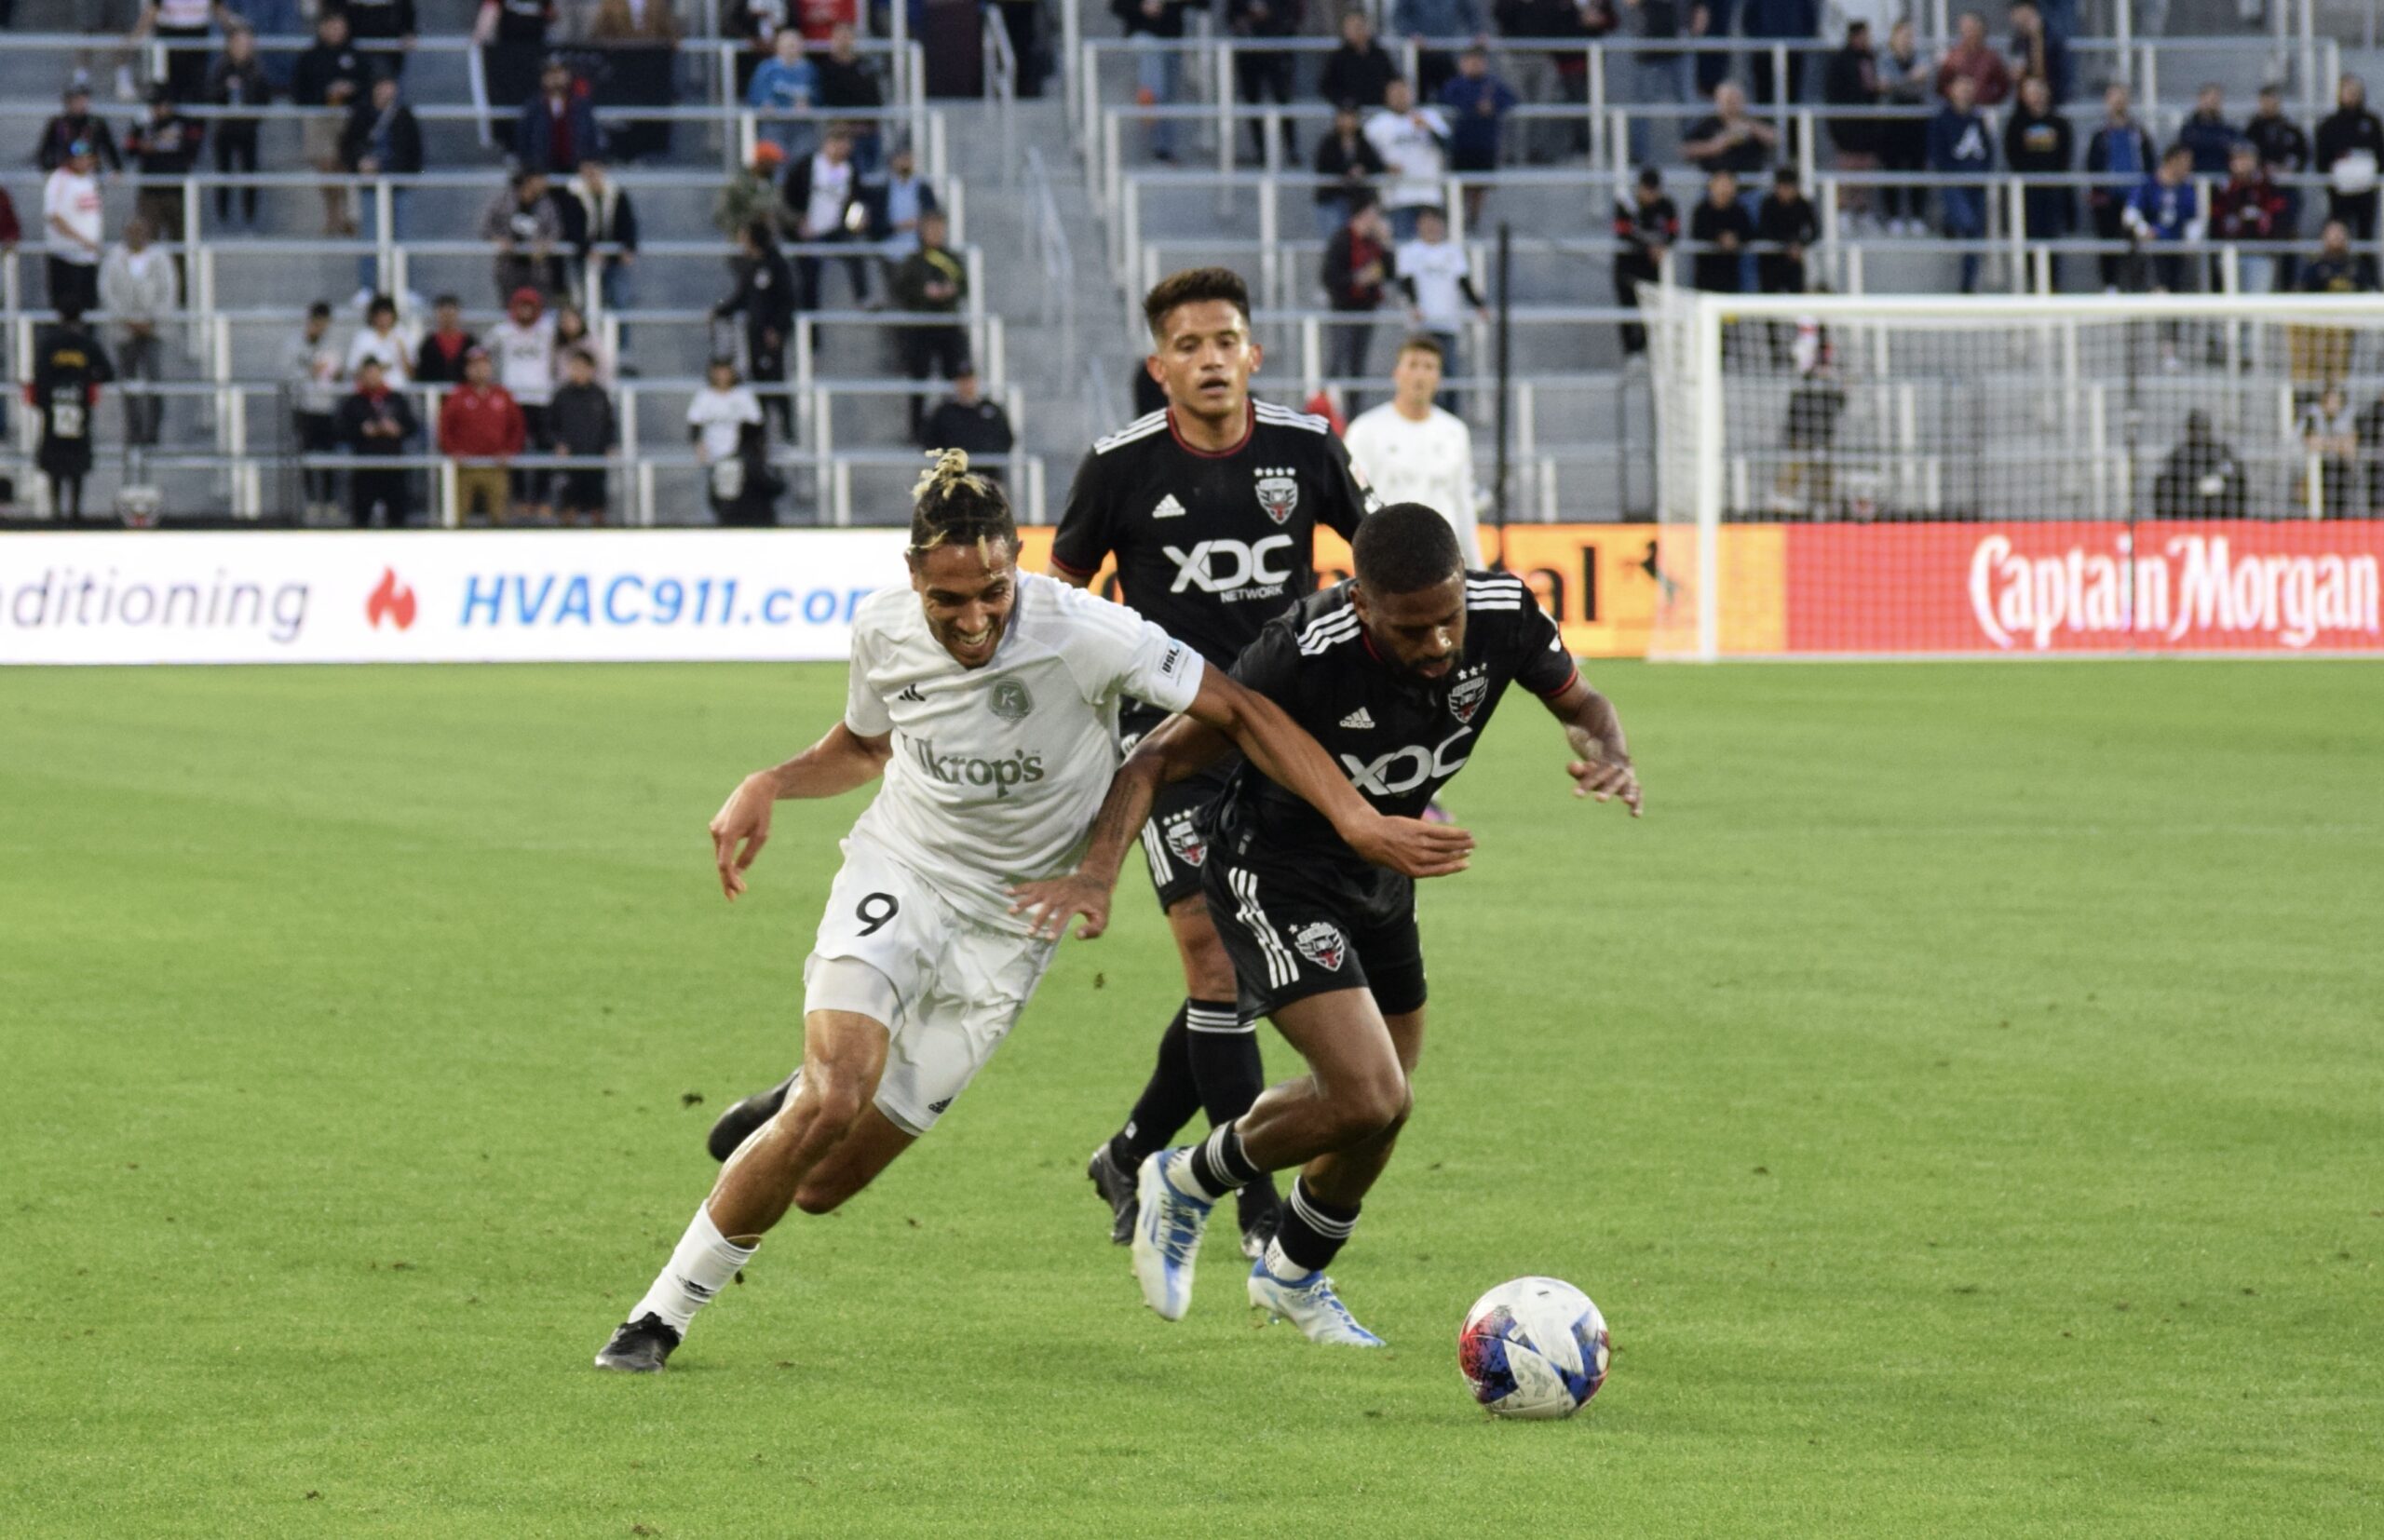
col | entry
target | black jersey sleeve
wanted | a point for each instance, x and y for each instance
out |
(1542, 663)
(1084, 539)
(1270, 664)
(1347, 497)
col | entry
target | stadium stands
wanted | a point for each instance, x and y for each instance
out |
(1236, 186)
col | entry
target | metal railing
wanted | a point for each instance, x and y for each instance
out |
(254, 461)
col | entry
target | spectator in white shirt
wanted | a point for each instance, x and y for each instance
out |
(139, 288)
(522, 345)
(380, 339)
(1438, 281)
(1412, 451)
(1413, 142)
(69, 210)
(732, 445)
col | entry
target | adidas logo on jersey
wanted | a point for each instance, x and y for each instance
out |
(1168, 507)
(1357, 718)
(911, 693)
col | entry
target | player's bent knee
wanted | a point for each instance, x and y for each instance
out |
(1368, 1107)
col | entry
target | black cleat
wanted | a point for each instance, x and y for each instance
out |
(736, 1124)
(1259, 1222)
(641, 1347)
(1116, 1185)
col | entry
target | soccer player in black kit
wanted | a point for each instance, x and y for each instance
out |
(1210, 506)
(1396, 673)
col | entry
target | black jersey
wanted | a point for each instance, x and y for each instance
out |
(1210, 546)
(69, 367)
(1398, 737)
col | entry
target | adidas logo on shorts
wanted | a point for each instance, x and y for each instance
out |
(937, 1107)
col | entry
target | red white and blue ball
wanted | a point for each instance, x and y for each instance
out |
(1535, 1347)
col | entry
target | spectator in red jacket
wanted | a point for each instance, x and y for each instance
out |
(2248, 211)
(480, 421)
(1974, 58)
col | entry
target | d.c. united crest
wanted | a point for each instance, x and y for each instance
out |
(1279, 491)
(1467, 695)
(1184, 839)
(1321, 942)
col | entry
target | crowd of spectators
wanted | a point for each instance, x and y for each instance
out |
(540, 380)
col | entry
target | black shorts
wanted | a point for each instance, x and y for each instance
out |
(1174, 847)
(1295, 930)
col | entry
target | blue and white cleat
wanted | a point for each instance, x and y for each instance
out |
(1309, 1304)
(1167, 1238)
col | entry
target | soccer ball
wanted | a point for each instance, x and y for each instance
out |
(1535, 1347)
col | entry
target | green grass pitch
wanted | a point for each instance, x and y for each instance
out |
(1964, 1093)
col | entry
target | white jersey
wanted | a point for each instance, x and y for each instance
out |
(1439, 270)
(1431, 462)
(1410, 144)
(524, 356)
(997, 771)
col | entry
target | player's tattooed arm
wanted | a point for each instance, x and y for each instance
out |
(1176, 747)
(1601, 767)
(836, 763)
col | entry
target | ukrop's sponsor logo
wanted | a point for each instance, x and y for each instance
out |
(1231, 569)
(959, 770)
(1321, 942)
(1402, 770)
(2193, 585)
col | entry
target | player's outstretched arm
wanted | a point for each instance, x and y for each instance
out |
(1603, 767)
(1176, 747)
(1284, 753)
(836, 763)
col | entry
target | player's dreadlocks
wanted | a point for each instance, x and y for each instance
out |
(953, 508)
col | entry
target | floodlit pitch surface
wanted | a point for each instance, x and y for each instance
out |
(1963, 1094)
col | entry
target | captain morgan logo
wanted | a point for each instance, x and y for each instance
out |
(1279, 491)
(1010, 701)
(1321, 942)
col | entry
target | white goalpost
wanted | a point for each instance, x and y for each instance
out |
(1926, 474)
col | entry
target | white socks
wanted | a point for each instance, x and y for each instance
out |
(699, 1268)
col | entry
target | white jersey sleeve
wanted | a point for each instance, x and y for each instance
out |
(1114, 651)
(865, 712)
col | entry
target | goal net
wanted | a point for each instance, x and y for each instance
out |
(1923, 474)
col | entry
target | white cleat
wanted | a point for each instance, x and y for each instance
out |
(1167, 1238)
(1310, 1305)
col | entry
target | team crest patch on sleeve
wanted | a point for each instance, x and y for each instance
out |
(1010, 701)
(1279, 491)
(1467, 695)
(1321, 942)
(1185, 838)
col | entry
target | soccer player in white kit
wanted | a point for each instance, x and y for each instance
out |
(988, 699)
(1411, 451)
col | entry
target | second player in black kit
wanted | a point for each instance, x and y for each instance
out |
(1210, 506)
(1211, 548)
(1300, 912)
(1395, 673)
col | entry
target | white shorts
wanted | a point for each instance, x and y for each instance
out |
(961, 983)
